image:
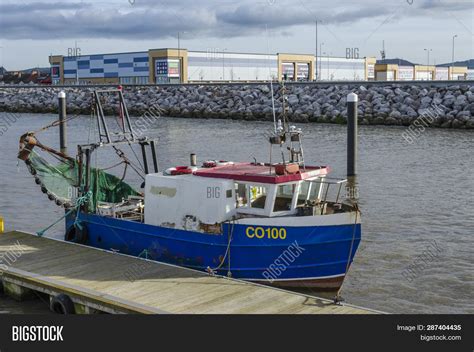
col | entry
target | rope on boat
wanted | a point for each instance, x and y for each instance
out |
(79, 203)
(338, 297)
(145, 253)
(213, 271)
(56, 123)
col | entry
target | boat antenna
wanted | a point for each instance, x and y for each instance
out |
(271, 80)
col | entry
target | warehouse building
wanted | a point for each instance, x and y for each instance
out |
(403, 70)
(343, 69)
(182, 66)
(460, 70)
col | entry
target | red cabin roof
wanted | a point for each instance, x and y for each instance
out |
(259, 173)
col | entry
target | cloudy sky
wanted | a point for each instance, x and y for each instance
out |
(32, 30)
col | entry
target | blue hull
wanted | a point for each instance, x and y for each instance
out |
(302, 257)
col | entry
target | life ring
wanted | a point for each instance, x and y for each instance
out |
(214, 163)
(209, 163)
(180, 170)
(76, 235)
(62, 304)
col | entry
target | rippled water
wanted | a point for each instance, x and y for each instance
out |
(410, 195)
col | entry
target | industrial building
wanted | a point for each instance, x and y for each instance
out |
(403, 70)
(182, 66)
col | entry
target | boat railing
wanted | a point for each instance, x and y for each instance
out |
(329, 187)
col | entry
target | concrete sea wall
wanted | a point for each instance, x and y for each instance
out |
(449, 105)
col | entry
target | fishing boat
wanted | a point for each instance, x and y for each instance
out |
(278, 222)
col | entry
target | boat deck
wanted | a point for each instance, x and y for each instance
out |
(101, 281)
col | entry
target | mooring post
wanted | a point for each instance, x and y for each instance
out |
(352, 134)
(62, 122)
(352, 100)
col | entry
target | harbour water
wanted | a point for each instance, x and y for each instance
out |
(415, 199)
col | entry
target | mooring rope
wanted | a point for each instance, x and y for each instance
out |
(212, 271)
(79, 203)
(338, 297)
(57, 123)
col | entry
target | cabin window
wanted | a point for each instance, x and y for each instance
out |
(284, 197)
(251, 196)
(303, 193)
(314, 192)
(308, 191)
(258, 196)
(241, 195)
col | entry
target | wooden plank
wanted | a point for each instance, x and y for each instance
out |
(101, 278)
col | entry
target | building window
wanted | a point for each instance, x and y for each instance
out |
(141, 80)
(134, 80)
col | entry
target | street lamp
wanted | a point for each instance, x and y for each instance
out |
(428, 63)
(316, 52)
(223, 63)
(77, 63)
(320, 59)
(179, 53)
(452, 58)
(327, 55)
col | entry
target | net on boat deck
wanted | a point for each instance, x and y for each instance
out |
(60, 182)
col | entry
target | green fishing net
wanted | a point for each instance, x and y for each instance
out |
(60, 182)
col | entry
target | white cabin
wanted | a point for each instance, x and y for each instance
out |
(203, 199)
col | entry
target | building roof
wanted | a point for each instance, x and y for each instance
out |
(399, 62)
(43, 70)
(469, 63)
(259, 173)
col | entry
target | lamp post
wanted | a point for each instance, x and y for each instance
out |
(452, 58)
(223, 63)
(179, 53)
(316, 54)
(320, 59)
(77, 64)
(327, 55)
(428, 63)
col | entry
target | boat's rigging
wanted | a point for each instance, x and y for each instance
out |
(124, 135)
(56, 123)
(94, 128)
(286, 134)
(71, 178)
(127, 161)
(271, 81)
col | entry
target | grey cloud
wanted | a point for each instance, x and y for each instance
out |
(147, 19)
(26, 8)
(451, 5)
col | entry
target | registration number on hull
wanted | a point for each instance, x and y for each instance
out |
(272, 233)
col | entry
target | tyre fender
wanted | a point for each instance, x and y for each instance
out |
(76, 235)
(62, 304)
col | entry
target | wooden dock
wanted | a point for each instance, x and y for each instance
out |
(101, 281)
